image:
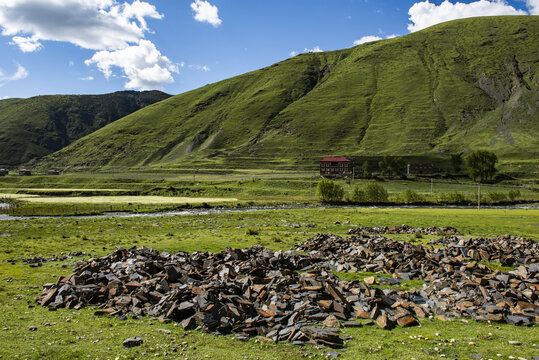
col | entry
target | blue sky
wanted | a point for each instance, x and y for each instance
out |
(101, 46)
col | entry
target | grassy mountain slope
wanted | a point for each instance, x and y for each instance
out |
(458, 86)
(34, 127)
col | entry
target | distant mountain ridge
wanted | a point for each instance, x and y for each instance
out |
(34, 127)
(454, 87)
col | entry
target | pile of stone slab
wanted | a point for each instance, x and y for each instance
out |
(507, 250)
(290, 295)
(404, 229)
(456, 283)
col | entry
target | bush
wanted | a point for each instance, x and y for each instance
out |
(410, 196)
(513, 194)
(329, 191)
(497, 196)
(372, 193)
(251, 231)
(452, 197)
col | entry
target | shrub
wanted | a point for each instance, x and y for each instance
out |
(372, 192)
(358, 195)
(329, 191)
(375, 192)
(251, 231)
(410, 196)
(452, 197)
(497, 196)
(513, 194)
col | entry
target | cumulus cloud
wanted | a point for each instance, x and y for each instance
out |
(88, 78)
(26, 44)
(370, 38)
(533, 6)
(206, 12)
(114, 28)
(424, 14)
(315, 49)
(366, 39)
(90, 24)
(143, 65)
(21, 73)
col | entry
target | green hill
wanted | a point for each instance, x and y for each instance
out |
(34, 127)
(455, 87)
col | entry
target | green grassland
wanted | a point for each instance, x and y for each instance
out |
(96, 193)
(35, 127)
(79, 334)
(454, 87)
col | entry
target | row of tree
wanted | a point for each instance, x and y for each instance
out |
(481, 164)
(332, 192)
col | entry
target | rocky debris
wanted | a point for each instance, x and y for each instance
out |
(132, 342)
(404, 229)
(38, 260)
(457, 284)
(507, 250)
(259, 292)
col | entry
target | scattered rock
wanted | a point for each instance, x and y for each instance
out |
(132, 341)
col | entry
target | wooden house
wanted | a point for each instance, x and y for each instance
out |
(335, 167)
(53, 172)
(25, 172)
(4, 172)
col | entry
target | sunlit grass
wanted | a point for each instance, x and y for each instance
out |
(124, 200)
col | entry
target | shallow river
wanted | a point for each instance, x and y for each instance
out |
(249, 209)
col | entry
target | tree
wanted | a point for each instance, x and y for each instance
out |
(482, 164)
(391, 165)
(329, 191)
(410, 196)
(370, 193)
(367, 173)
(513, 194)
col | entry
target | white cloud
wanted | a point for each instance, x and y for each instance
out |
(206, 12)
(424, 14)
(88, 78)
(315, 49)
(533, 6)
(114, 28)
(142, 64)
(366, 39)
(204, 68)
(4, 97)
(26, 44)
(90, 24)
(370, 38)
(20, 74)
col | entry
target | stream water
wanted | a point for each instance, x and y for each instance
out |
(249, 209)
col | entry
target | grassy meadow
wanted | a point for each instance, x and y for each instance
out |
(79, 334)
(126, 191)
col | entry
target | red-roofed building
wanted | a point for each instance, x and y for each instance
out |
(335, 166)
